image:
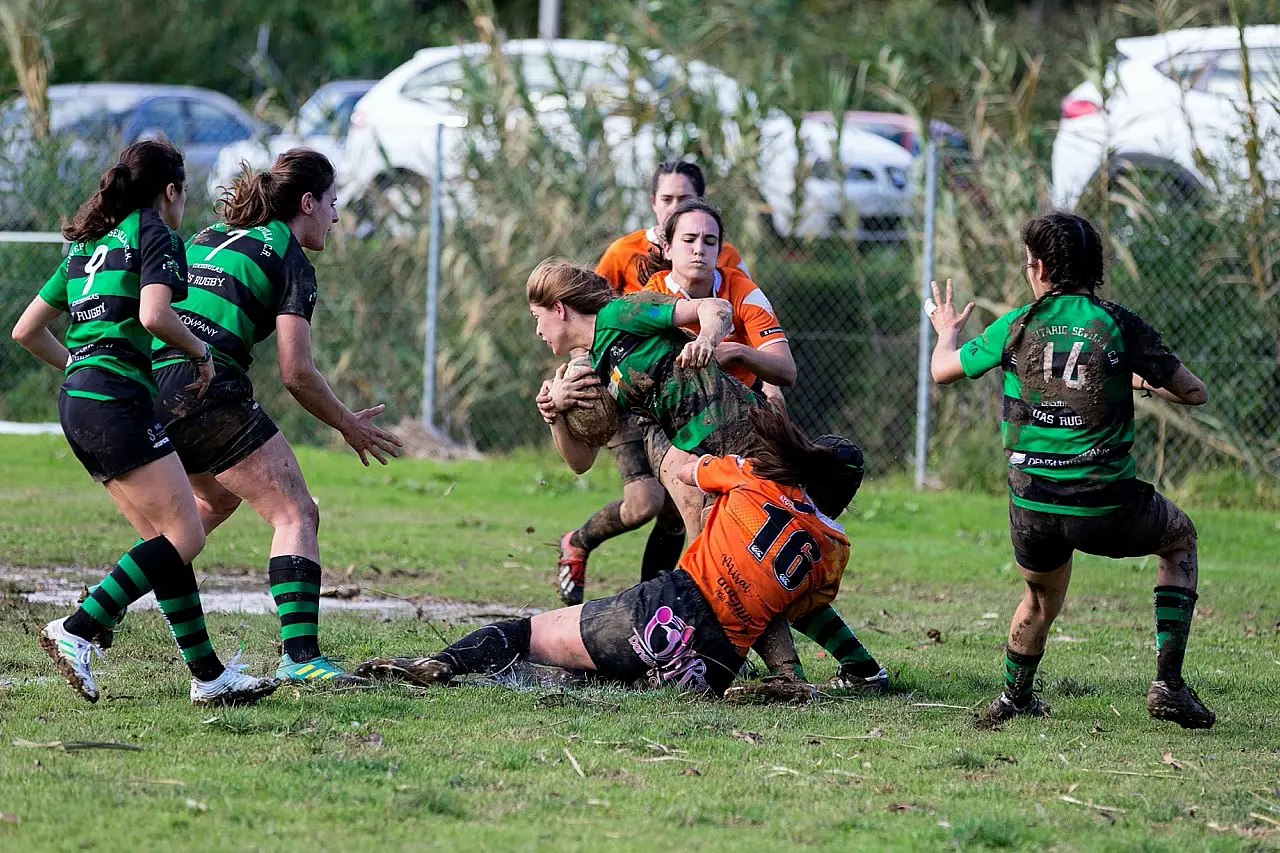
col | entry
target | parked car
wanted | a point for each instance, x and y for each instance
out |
(92, 121)
(1171, 95)
(322, 123)
(391, 148)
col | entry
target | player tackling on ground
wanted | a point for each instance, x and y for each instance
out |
(1071, 362)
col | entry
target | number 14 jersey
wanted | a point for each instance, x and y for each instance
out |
(765, 550)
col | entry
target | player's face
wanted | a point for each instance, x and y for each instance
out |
(695, 246)
(672, 189)
(317, 216)
(550, 325)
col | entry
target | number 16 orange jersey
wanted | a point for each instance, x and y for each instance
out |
(765, 550)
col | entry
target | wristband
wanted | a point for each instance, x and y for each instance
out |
(204, 359)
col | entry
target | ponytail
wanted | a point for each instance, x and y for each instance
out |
(1069, 247)
(145, 169)
(829, 469)
(255, 198)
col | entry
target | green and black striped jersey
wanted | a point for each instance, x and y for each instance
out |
(240, 280)
(100, 285)
(1068, 399)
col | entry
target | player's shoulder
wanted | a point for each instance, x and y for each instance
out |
(627, 246)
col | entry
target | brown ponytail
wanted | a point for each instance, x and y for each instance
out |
(830, 469)
(254, 199)
(145, 169)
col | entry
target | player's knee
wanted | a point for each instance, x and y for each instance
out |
(306, 514)
(187, 538)
(641, 505)
(222, 506)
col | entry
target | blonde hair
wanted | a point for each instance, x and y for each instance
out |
(577, 286)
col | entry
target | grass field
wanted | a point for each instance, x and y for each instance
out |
(490, 767)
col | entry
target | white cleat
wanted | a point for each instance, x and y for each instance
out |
(71, 655)
(233, 687)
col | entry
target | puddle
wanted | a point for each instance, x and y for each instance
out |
(62, 586)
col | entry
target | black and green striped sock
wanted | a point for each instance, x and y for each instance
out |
(102, 608)
(1020, 674)
(178, 598)
(824, 626)
(295, 586)
(1175, 606)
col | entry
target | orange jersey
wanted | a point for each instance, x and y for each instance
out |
(754, 321)
(620, 263)
(765, 550)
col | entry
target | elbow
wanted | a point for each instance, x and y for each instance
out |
(295, 379)
(20, 333)
(940, 377)
(1197, 396)
(787, 376)
(152, 317)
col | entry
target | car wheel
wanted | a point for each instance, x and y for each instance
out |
(396, 206)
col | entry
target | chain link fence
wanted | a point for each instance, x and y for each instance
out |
(845, 283)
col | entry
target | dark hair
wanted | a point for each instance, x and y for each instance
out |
(1069, 247)
(560, 280)
(145, 169)
(829, 470)
(655, 261)
(679, 167)
(254, 199)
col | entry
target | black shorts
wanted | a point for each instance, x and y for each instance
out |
(112, 437)
(629, 450)
(218, 430)
(1043, 541)
(661, 631)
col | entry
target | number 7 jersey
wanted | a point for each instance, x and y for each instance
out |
(765, 550)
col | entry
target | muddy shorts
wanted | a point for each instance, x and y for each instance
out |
(1043, 541)
(629, 448)
(217, 431)
(660, 632)
(113, 437)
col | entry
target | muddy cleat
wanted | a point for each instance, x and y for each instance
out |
(572, 570)
(319, 671)
(846, 681)
(1178, 705)
(1004, 708)
(233, 687)
(71, 655)
(424, 672)
(772, 690)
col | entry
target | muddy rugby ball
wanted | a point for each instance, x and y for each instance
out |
(593, 422)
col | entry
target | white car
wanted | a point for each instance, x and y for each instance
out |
(391, 150)
(322, 123)
(1171, 95)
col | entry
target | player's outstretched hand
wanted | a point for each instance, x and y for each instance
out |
(369, 440)
(579, 390)
(696, 354)
(942, 312)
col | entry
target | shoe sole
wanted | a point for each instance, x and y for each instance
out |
(345, 680)
(241, 697)
(64, 666)
(399, 669)
(569, 598)
(1169, 714)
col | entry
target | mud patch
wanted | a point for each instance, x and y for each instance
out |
(62, 586)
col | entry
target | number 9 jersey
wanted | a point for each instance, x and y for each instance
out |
(765, 550)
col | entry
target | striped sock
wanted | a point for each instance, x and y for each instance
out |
(108, 600)
(295, 586)
(1175, 606)
(179, 600)
(825, 627)
(1020, 674)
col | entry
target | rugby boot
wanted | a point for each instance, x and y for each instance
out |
(845, 680)
(1004, 708)
(71, 655)
(1178, 703)
(424, 672)
(571, 572)
(232, 687)
(319, 671)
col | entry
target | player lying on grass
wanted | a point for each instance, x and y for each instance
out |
(769, 552)
(643, 497)
(639, 351)
(124, 268)
(1071, 362)
(250, 278)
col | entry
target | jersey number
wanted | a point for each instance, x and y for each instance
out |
(1072, 373)
(233, 235)
(795, 559)
(96, 262)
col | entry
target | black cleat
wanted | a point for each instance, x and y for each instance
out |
(1179, 705)
(1004, 708)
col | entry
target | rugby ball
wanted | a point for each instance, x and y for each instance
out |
(595, 422)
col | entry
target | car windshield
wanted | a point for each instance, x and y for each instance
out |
(80, 115)
(1223, 77)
